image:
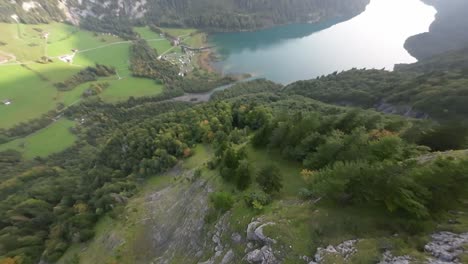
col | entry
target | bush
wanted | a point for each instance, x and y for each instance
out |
(222, 201)
(257, 199)
(269, 179)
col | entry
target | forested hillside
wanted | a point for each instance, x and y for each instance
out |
(448, 32)
(222, 15)
(349, 159)
(435, 87)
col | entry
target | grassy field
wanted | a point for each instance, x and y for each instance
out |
(31, 88)
(122, 89)
(52, 139)
(154, 40)
(30, 95)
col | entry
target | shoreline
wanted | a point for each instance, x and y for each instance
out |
(207, 57)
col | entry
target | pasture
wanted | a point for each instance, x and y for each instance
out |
(49, 140)
(29, 85)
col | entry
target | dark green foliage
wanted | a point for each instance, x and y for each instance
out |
(447, 32)
(251, 87)
(87, 75)
(269, 179)
(235, 168)
(243, 175)
(359, 157)
(145, 63)
(222, 201)
(95, 89)
(448, 136)
(117, 18)
(257, 199)
(402, 188)
(436, 87)
(117, 25)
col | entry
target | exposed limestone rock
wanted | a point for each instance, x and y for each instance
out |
(251, 236)
(445, 247)
(255, 234)
(27, 6)
(236, 238)
(345, 249)
(228, 258)
(262, 256)
(388, 258)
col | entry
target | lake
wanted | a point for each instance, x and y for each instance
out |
(373, 39)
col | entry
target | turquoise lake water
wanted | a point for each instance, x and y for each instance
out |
(373, 39)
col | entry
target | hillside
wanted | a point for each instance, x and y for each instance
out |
(206, 14)
(435, 87)
(448, 32)
(118, 146)
(258, 173)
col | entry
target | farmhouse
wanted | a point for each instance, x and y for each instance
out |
(6, 102)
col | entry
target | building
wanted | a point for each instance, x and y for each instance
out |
(7, 102)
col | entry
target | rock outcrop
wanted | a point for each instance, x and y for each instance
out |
(259, 247)
(345, 250)
(445, 247)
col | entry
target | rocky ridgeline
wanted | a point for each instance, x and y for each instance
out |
(444, 248)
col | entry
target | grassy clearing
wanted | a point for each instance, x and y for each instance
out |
(30, 95)
(154, 40)
(117, 55)
(290, 171)
(52, 139)
(122, 89)
(196, 40)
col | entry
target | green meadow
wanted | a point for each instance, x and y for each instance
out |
(49, 140)
(30, 87)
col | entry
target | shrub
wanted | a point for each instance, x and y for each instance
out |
(257, 200)
(269, 179)
(222, 201)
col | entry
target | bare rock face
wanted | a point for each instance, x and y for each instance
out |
(445, 247)
(257, 238)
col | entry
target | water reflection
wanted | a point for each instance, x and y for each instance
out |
(374, 39)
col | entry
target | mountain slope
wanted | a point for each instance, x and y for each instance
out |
(434, 87)
(448, 32)
(208, 14)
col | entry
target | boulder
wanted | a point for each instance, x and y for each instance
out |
(262, 256)
(236, 238)
(251, 236)
(260, 236)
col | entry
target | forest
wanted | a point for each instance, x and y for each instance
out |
(349, 156)
(225, 15)
(436, 88)
(361, 137)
